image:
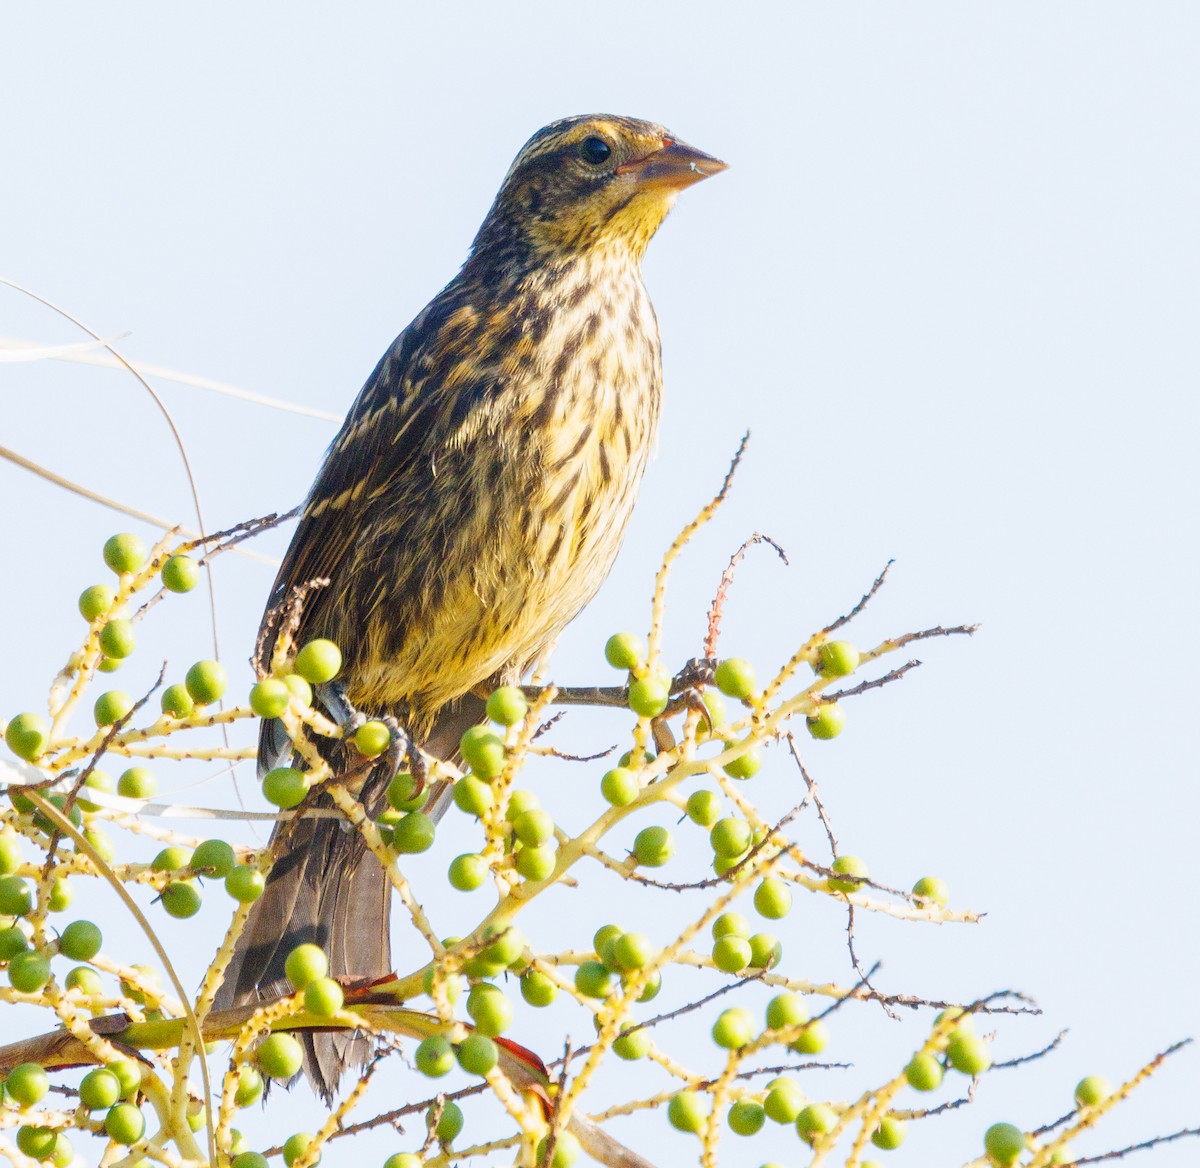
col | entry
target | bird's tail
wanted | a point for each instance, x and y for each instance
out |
(326, 887)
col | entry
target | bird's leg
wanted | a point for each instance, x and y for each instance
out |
(401, 747)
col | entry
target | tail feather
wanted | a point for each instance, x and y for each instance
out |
(326, 887)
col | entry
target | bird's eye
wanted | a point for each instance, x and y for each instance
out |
(594, 150)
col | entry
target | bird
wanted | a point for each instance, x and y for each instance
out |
(471, 504)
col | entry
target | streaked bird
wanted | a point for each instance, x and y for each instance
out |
(472, 503)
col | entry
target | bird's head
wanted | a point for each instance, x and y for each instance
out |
(594, 181)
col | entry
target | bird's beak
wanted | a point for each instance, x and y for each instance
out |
(673, 166)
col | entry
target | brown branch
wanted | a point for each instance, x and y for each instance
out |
(866, 599)
(875, 683)
(716, 610)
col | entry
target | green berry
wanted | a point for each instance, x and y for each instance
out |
(533, 828)
(520, 800)
(298, 688)
(10, 850)
(745, 766)
(653, 985)
(213, 858)
(653, 846)
(12, 941)
(735, 678)
(249, 1160)
(171, 859)
(814, 1121)
(176, 702)
(704, 807)
(890, 1133)
(269, 697)
(414, 833)
(27, 736)
(828, 721)
(403, 795)
(620, 786)
(372, 739)
(129, 1075)
(507, 705)
(206, 682)
(125, 1123)
(1092, 1091)
(593, 979)
(467, 872)
(537, 989)
(285, 787)
(249, 1087)
(451, 1124)
(489, 1008)
(279, 1056)
(837, 659)
(109, 664)
(478, 1054)
(566, 1151)
(632, 1046)
(473, 796)
(746, 1117)
(786, 1010)
(847, 866)
(117, 638)
(603, 937)
(80, 941)
(451, 985)
(624, 651)
(180, 574)
(648, 696)
(730, 924)
(61, 895)
(295, 1146)
(686, 1111)
(306, 963)
(318, 662)
(124, 553)
(99, 842)
(99, 1089)
(632, 951)
(84, 980)
(924, 1072)
(26, 1084)
(505, 944)
(968, 1053)
(112, 706)
(932, 889)
(16, 896)
(96, 781)
(773, 899)
(36, 1142)
(765, 951)
(813, 1039)
(482, 751)
(1004, 1142)
(733, 1028)
(404, 1160)
(784, 1100)
(138, 783)
(245, 884)
(28, 972)
(95, 601)
(730, 837)
(731, 954)
(435, 1056)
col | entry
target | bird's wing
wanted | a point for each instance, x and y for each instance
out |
(392, 426)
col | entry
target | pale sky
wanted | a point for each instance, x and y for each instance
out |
(949, 282)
